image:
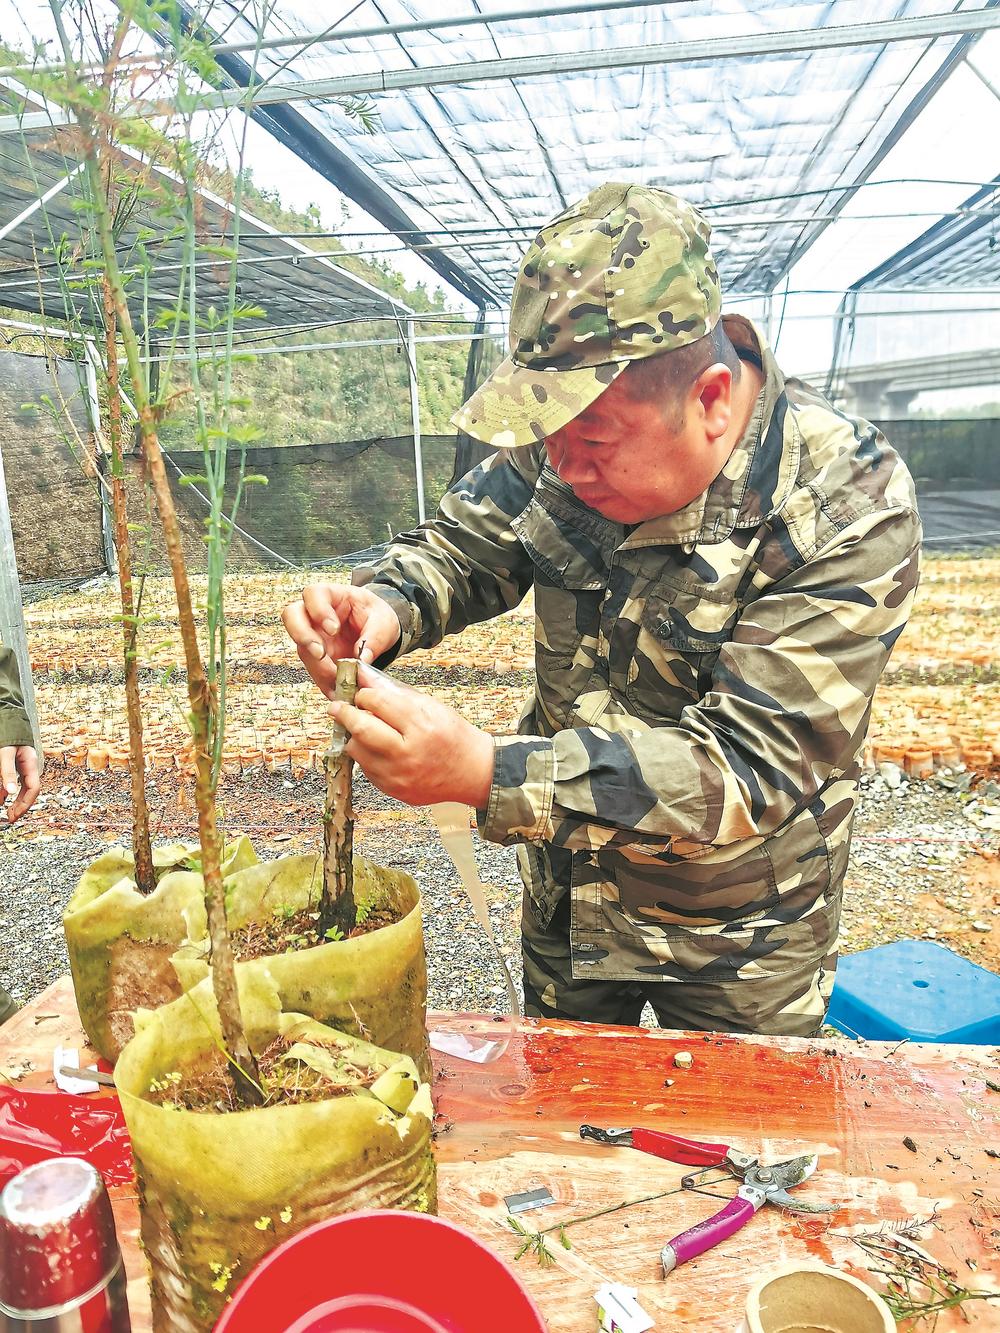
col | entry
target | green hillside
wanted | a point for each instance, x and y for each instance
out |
(325, 502)
(318, 397)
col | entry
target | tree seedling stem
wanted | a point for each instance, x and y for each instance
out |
(338, 909)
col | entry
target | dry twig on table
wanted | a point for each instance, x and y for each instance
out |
(918, 1286)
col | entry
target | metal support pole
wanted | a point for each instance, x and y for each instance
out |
(38, 203)
(768, 313)
(45, 331)
(346, 345)
(912, 29)
(743, 46)
(107, 533)
(418, 462)
(91, 363)
(100, 462)
(982, 77)
(338, 34)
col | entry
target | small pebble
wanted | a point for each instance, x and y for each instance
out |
(891, 775)
(683, 1060)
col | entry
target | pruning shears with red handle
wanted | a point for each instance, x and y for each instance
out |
(758, 1184)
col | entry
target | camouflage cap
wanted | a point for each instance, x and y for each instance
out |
(624, 274)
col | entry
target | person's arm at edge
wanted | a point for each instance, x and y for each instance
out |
(19, 780)
(15, 729)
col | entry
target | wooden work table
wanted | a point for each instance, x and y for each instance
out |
(512, 1125)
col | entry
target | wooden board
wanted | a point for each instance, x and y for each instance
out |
(513, 1124)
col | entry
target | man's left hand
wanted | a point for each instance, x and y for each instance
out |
(413, 747)
(18, 769)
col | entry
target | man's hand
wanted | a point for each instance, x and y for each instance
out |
(18, 769)
(331, 620)
(415, 748)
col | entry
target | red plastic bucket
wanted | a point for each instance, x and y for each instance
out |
(381, 1272)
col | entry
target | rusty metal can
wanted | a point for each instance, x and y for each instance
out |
(60, 1264)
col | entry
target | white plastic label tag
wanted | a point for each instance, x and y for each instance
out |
(619, 1311)
(68, 1056)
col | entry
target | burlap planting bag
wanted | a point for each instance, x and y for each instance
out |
(219, 1190)
(120, 941)
(372, 986)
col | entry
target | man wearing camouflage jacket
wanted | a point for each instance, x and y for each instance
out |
(721, 563)
(18, 763)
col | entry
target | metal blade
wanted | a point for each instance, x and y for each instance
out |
(794, 1205)
(786, 1175)
(523, 1203)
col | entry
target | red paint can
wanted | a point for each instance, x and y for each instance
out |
(60, 1264)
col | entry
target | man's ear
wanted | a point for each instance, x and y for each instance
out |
(714, 391)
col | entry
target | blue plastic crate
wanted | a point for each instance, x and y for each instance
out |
(915, 989)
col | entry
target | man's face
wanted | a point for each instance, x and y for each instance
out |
(633, 459)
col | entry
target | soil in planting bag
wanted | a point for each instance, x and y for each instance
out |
(372, 986)
(120, 940)
(218, 1190)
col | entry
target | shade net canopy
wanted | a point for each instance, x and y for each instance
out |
(287, 282)
(928, 315)
(958, 253)
(771, 143)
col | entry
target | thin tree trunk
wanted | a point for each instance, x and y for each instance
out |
(141, 847)
(203, 705)
(245, 1073)
(338, 909)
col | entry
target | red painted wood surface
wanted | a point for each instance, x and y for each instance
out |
(513, 1124)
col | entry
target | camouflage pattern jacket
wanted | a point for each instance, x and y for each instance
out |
(687, 767)
(14, 726)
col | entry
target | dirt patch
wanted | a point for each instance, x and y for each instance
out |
(282, 806)
(295, 931)
(139, 975)
(975, 914)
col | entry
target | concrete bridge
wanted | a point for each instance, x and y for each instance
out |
(884, 390)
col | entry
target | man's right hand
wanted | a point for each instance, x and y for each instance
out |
(334, 620)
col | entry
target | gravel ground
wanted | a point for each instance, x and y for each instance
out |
(921, 867)
(925, 864)
(38, 873)
(36, 880)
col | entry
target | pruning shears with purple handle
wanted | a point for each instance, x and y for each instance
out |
(758, 1184)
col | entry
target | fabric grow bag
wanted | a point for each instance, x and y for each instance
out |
(120, 941)
(220, 1190)
(373, 986)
